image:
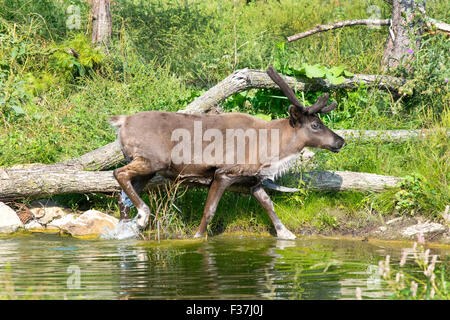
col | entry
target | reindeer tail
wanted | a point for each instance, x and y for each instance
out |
(117, 121)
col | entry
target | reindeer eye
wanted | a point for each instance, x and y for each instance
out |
(315, 125)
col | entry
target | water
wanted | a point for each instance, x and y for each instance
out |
(223, 267)
(125, 229)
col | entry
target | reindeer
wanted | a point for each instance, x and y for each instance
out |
(151, 143)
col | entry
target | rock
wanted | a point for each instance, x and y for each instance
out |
(46, 210)
(9, 221)
(61, 223)
(446, 215)
(395, 220)
(90, 223)
(37, 208)
(424, 228)
(33, 226)
(306, 155)
(25, 215)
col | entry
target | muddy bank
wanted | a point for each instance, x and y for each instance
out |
(394, 228)
(48, 217)
(364, 227)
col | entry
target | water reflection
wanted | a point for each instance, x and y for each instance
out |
(223, 267)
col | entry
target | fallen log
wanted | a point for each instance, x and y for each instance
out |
(47, 181)
(102, 158)
(245, 79)
(385, 135)
(346, 181)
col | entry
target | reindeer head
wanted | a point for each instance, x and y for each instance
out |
(306, 121)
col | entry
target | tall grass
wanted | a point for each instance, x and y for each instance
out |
(167, 218)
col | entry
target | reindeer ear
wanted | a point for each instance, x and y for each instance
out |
(295, 114)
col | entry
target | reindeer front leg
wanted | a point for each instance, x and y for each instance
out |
(263, 198)
(138, 169)
(218, 187)
(124, 201)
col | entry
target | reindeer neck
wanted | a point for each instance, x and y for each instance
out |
(289, 140)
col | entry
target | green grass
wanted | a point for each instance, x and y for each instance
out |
(164, 54)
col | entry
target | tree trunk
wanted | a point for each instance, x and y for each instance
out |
(48, 180)
(102, 158)
(101, 21)
(405, 34)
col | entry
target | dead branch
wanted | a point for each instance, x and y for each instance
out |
(47, 181)
(385, 135)
(441, 26)
(341, 24)
(430, 23)
(245, 79)
(102, 158)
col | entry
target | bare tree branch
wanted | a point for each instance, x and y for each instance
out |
(347, 23)
(442, 26)
(385, 135)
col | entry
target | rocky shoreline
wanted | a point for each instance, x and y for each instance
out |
(47, 216)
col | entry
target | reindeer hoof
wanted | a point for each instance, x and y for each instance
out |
(142, 219)
(286, 234)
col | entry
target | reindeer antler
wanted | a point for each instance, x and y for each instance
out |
(319, 107)
(329, 107)
(288, 92)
